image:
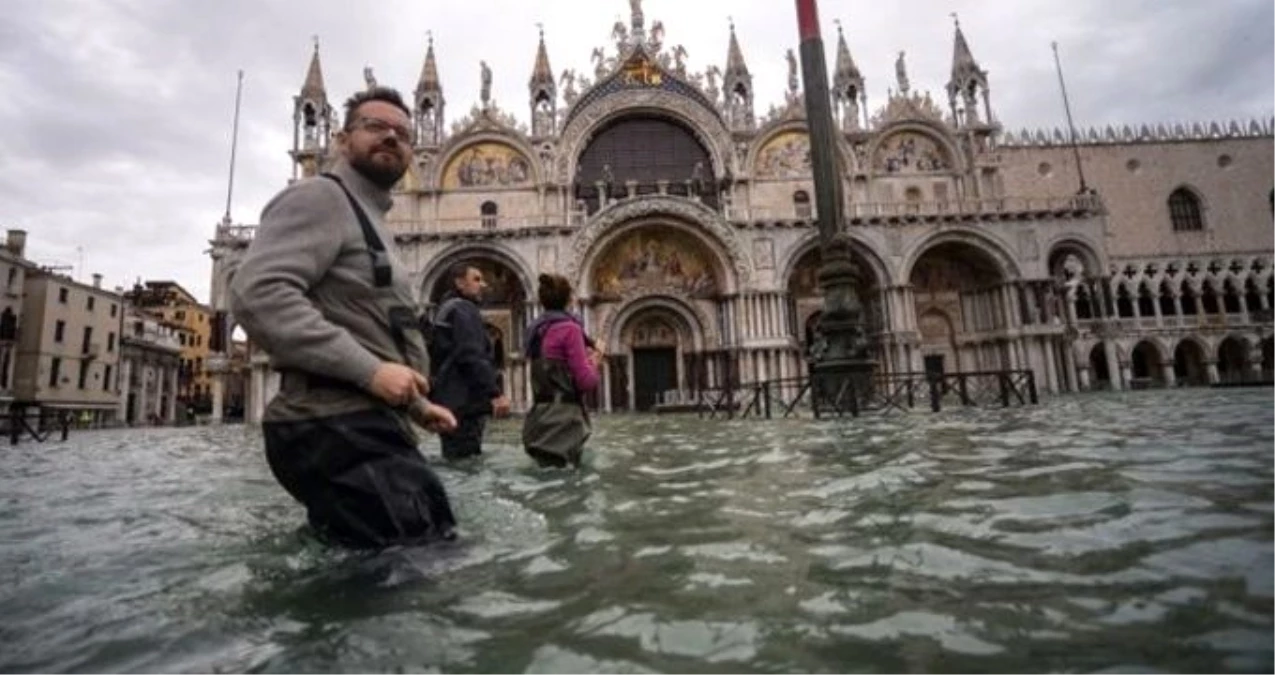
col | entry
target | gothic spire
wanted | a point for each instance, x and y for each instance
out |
(968, 84)
(429, 82)
(313, 87)
(735, 65)
(542, 73)
(737, 87)
(847, 72)
(964, 67)
(849, 95)
(429, 101)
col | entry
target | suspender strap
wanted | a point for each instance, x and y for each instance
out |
(382, 273)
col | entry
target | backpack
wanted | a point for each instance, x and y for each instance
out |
(437, 334)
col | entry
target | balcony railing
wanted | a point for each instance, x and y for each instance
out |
(488, 224)
(1001, 206)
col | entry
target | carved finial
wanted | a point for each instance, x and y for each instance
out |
(956, 20)
(430, 34)
(838, 22)
(315, 39)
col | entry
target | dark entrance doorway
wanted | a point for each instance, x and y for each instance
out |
(934, 366)
(654, 372)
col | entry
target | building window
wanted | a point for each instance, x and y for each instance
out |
(110, 342)
(84, 373)
(4, 370)
(13, 276)
(89, 304)
(106, 381)
(113, 308)
(62, 295)
(182, 339)
(59, 330)
(181, 316)
(55, 372)
(489, 212)
(801, 203)
(88, 337)
(1184, 211)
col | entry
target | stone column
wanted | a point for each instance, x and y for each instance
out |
(605, 383)
(1114, 368)
(143, 410)
(1210, 367)
(1069, 365)
(218, 396)
(1255, 362)
(126, 374)
(171, 395)
(1166, 372)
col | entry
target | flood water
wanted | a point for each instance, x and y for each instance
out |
(1115, 532)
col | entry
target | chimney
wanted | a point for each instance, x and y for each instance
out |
(16, 242)
(97, 281)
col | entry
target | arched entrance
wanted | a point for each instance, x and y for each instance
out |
(657, 338)
(1101, 376)
(1147, 367)
(505, 307)
(1188, 364)
(805, 299)
(1232, 360)
(958, 285)
(652, 283)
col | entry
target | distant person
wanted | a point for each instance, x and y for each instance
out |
(323, 291)
(564, 368)
(461, 353)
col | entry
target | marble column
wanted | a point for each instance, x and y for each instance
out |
(1113, 365)
(171, 395)
(218, 396)
(143, 410)
(126, 375)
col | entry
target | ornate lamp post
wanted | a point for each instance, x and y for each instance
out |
(843, 363)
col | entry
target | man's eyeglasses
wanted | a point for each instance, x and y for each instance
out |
(383, 128)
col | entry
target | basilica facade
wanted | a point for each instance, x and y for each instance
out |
(685, 217)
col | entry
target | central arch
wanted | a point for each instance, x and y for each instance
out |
(638, 155)
(684, 215)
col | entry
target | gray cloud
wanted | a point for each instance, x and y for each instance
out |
(115, 131)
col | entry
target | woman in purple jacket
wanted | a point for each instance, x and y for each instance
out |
(564, 367)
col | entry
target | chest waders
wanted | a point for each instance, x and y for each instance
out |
(360, 475)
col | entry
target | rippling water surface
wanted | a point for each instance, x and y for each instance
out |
(1099, 533)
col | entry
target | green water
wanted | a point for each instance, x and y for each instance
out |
(1109, 532)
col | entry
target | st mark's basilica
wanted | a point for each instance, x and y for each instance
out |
(684, 215)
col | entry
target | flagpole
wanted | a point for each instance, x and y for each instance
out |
(234, 143)
(1071, 125)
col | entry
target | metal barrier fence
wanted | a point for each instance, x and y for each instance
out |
(882, 393)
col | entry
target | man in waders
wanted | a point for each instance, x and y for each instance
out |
(465, 376)
(322, 290)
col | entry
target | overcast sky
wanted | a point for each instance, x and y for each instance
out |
(116, 116)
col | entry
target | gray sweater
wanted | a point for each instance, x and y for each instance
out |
(305, 293)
